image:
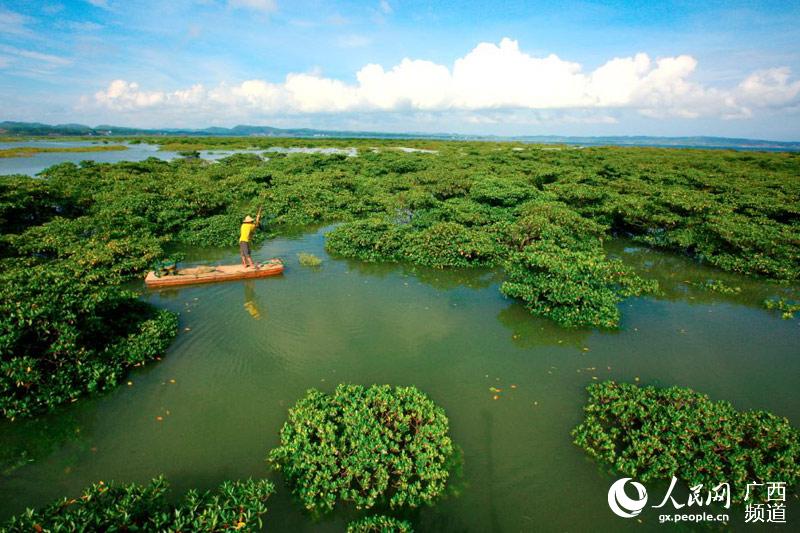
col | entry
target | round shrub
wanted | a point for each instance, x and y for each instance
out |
(448, 244)
(575, 287)
(365, 445)
(308, 259)
(656, 433)
(379, 524)
(367, 240)
(502, 192)
(235, 505)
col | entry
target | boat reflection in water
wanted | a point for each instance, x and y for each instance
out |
(251, 304)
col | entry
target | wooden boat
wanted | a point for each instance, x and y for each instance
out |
(212, 274)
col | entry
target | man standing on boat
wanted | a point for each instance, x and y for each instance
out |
(248, 227)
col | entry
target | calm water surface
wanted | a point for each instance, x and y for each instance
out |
(36, 163)
(248, 350)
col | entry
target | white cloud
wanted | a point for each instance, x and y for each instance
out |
(29, 58)
(122, 95)
(491, 77)
(385, 6)
(770, 88)
(414, 84)
(13, 23)
(266, 6)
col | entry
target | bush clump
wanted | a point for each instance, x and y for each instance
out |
(234, 505)
(656, 433)
(574, 287)
(365, 445)
(448, 244)
(62, 337)
(494, 190)
(368, 240)
(442, 244)
(215, 230)
(559, 269)
(309, 260)
(379, 524)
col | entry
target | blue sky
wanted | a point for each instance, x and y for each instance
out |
(578, 68)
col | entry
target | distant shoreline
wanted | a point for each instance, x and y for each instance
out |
(30, 151)
(14, 131)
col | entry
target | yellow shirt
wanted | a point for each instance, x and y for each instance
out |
(247, 230)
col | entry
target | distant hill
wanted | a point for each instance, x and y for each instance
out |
(9, 128)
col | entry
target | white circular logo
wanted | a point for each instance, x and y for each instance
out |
(621, 504)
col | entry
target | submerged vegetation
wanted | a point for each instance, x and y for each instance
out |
(787, 307)
(654, 433)
(71, 239)
(379, 524)
(30, 151)
(235, 505)
(365, 445)
(309, 260)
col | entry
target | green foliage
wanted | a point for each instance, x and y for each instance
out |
(25, 202)
(309, 260)
(215, 230)
(448, 244)
(717, 285)
(379, 524)
(369, 240)
(30, 151)
(62, 336)
(365, 445)
(71, 239)
(737, 211)
(574, 287)
(235, 505)
(541, 214)
(652, 433)
(559, 269)
(787, 307)
(494, 190)
(442, 244)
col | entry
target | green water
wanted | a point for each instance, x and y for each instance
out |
(248, 350)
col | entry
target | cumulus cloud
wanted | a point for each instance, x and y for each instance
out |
(121, 95)
(770, 88)
(491, 77)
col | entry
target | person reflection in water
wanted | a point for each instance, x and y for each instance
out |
(251, 301)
